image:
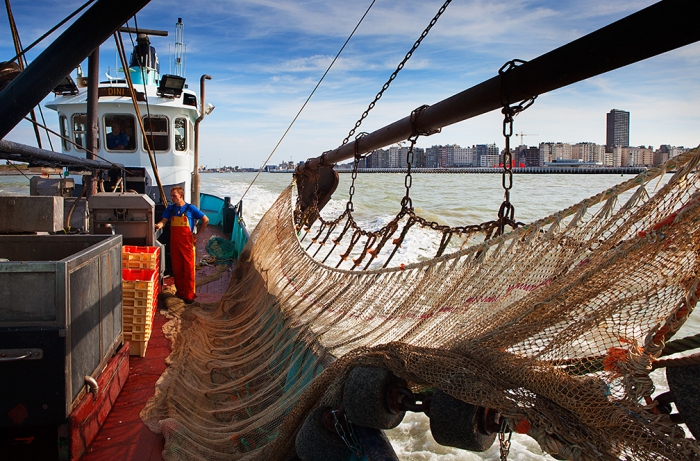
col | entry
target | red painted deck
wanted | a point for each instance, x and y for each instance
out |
(124, 437)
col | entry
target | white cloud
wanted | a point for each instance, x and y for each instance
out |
(266, 57)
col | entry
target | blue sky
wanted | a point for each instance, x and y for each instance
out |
(265, 57)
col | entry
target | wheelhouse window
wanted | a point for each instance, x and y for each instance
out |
(65, 132)
(181, 134)
(157, 132)
(119, 132)
(80, 128)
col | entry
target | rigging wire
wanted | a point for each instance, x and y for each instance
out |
(52, 30)
(22, 62)
(307, 99)
(145, 92)
(17, 168)
(69, 140)
(130, 84)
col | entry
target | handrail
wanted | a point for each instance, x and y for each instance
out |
(619, 44)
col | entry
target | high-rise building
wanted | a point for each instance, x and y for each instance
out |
(618, 129)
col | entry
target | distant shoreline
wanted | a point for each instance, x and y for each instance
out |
(13, 172)
(526, 170)
(484, 170)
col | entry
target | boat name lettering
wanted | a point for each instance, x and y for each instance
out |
(112, 91)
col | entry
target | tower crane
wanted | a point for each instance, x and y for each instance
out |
(522, 135)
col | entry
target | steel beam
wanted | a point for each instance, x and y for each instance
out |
(662, 27)
(34, 156)
(60, 58)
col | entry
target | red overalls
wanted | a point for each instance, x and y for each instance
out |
(182, 257)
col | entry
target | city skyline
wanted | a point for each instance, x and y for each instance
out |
(265, 59)
(489, 155)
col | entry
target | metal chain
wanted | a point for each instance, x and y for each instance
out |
(503, 441)
(350, 438)
(506, 213)
(395, 73)
(406, 201)
(349, 206)
(507, 210)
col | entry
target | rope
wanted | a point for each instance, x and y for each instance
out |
(151, 156)
(145, 93)
(307, 100)
(681, 345)
(17, 168)
(679, 362)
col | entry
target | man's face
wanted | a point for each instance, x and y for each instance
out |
(176, 198)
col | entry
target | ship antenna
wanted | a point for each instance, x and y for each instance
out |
(179, 55)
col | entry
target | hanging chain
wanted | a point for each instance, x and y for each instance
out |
(507, 210)
(503, 441)
(506, 213)
(406, 202)
(395, 73)
(349, 206)
(349, 438)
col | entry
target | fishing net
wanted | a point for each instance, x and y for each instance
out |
(556, 324)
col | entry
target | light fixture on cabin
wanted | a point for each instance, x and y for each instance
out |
(66, 86)
(209, 108)
(171, 86)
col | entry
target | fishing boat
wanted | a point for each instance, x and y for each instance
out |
(95, 304)
(322, 341)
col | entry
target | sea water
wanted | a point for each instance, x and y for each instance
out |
(452, 199)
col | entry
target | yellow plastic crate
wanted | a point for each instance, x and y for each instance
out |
(140, 319)
(140, 336)
(140, 328)
(142, 304)
(133, 285)
(140, 257)
(138, 348)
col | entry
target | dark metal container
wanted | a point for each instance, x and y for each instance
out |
(60, 321)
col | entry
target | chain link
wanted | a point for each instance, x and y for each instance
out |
(395, 73)
(406, 202)
(506, 213)
(503, 441)
(349, 438)
(350, 206)
(311, 213)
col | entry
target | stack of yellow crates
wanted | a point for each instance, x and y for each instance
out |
(140, 288)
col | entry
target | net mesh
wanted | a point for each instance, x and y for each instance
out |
(556, 325)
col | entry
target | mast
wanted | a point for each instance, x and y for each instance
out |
(179, 57)
(203, 112)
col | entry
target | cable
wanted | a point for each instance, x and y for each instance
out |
(71, 16)
(307, 100)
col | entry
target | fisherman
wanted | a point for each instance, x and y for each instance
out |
(117, 139)
(183, 217)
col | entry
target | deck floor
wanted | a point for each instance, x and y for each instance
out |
(124, 436)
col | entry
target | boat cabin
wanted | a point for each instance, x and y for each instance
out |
(163, 125)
